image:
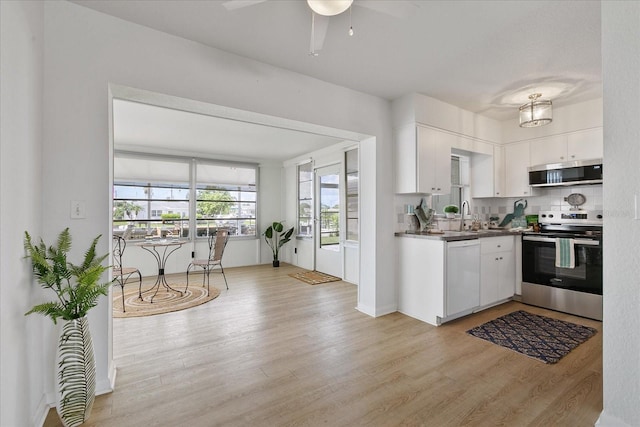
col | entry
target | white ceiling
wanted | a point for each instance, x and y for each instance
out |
(483, 56)
(138, 126)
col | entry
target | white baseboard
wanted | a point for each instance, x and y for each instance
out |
(41, 411)
(605, 420)
(377, 312)
(384, 310)
(366, 310)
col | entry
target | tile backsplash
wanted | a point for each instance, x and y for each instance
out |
(546, 199)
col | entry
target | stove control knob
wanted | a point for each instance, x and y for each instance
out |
(599, 216)
(544, 215)
(550, 215)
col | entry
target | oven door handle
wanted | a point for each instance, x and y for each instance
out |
(585, 242)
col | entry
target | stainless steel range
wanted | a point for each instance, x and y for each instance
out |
(562, 264)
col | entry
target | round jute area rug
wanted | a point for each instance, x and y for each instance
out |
(165, 300)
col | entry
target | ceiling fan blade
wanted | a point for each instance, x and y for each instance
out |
(239, 4)
(397, 9)
(319, 27)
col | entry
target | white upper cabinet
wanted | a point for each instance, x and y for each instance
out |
(482, 175)
(583, 145)
(423, 160)
(434, 161)
(549, 150)
(517, 162)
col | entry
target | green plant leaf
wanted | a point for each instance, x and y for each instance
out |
(76, 286)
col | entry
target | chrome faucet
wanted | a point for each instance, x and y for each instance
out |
(464, 203)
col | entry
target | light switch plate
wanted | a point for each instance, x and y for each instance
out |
(77, 209)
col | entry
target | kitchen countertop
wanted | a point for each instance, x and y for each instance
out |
(452, 236)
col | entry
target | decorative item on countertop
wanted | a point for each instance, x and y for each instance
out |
(516, 218)
(276, 236)
(424, 215)
(410, 220)
(493, 221)
(451, 211)
(77, 290)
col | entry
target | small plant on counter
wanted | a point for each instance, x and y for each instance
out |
(450, 210)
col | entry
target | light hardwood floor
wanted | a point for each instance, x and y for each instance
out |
(274, 351)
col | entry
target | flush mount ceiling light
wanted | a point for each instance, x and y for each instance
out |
(329, 7)
(535, 113)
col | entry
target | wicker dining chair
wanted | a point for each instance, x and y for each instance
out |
(217, 243)
(121, 274)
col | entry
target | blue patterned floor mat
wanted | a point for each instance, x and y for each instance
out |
(535, 336)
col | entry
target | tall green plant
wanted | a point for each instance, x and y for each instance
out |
(76, 286)
(276, 236)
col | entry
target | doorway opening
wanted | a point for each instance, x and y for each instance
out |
(314, 134)
(328, 257)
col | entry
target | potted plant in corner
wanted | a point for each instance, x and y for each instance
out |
(450, 211)
(77, 291)
(276, 236)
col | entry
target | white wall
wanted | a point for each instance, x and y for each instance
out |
(86, 50)
(270, 203)
(22, 369)
(621, 84)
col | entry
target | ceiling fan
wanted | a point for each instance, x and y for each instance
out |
(322, 10)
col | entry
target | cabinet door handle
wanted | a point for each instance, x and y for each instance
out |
(500, 257)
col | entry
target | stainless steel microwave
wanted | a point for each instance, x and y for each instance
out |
(578, 172)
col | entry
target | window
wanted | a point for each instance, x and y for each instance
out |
(329, 215)
(459, 189)
(352, 193)
(143, 189)
(225, 198)
(155, 195)
(305, 200)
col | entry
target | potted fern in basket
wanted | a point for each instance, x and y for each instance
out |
(77, 289)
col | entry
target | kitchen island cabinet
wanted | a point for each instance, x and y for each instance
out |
(421, 278)
(444, 278)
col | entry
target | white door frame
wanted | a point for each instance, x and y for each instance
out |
(328, 259)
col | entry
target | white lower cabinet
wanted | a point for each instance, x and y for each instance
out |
(497, 269)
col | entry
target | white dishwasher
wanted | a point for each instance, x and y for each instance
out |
(463, 278)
